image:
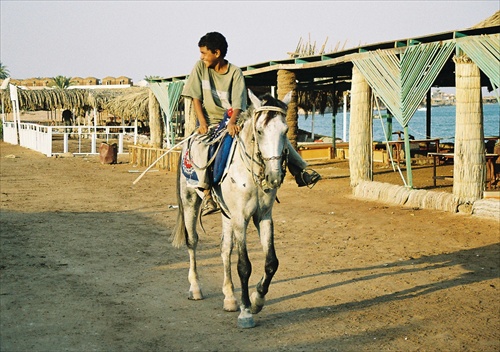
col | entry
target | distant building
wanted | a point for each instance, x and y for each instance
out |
(91, 81)
(75, 81)
(108, 81)
(35, 82)
(123, 80)
(16, 82)
(491, 99)
(440, 98)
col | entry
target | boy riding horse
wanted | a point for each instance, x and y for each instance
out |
(216, 87)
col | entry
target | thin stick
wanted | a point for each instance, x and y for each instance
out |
(161, 156)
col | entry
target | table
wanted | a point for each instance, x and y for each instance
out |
(398, 144)
(490, 167)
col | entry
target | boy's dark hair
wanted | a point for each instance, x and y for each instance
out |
(214, 41)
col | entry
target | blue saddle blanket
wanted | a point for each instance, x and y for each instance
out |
(221, 158)
(217, 168)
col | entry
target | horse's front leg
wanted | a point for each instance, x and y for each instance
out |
(230, 303)
(266, 233)
(245, 319)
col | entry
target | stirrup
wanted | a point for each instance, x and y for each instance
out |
(307, 179)
(208, 206)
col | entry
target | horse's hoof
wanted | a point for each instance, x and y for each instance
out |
(245, 319)
(195, 296)
(246, 323)
(257, 302)
(230, 305)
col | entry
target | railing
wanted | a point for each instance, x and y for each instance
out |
(9, 133)
(51, 140)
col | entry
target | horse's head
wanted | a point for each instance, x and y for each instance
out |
(269, 130)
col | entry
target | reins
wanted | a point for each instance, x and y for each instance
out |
(248, 158)
(209, 143)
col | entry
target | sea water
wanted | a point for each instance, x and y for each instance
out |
(442, 123)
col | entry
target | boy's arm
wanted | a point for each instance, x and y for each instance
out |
(202, 121)
(232, 128)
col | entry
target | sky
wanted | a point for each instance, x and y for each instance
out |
(136, 39)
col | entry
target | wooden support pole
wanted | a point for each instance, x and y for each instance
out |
(155, 122)
(428, 115)
(409, 173)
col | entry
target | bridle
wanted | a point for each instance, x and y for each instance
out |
(257, 157)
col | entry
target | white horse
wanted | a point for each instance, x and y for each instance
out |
(247, 191)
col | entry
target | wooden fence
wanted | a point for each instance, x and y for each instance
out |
(145, 156)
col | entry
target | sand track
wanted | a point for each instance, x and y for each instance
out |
(86, 266)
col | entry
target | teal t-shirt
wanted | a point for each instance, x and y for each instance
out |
(217, 92)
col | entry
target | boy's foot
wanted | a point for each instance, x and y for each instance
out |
(208, 206)
(307, 179)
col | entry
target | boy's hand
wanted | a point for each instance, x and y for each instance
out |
(203, 129)
(233, 129)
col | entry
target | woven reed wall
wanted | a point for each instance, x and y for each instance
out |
(489, 208)
(400, 195)
(423, 199)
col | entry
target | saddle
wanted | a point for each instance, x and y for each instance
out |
(218, 154)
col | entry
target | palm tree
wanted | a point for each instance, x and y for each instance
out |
(61, 82)
(4, 72)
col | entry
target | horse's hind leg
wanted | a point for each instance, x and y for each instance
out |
(191, 203)
(266, 232)
(230, 303)
(195, 287)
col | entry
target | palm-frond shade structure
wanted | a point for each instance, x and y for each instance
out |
(126, 103)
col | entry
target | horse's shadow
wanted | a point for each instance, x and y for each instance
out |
(477, 265)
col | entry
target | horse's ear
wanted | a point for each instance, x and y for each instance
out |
(288, 98)
(253, 98)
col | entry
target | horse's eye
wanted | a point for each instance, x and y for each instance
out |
(259, 132)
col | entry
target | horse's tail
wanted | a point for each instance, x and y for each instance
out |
(179, 235)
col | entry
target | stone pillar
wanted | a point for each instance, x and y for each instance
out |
(360, 130)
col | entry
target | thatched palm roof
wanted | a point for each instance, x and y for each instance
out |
(45, 99)
(321, 94)
(133, 103)
(491, 21)
(126, 103)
